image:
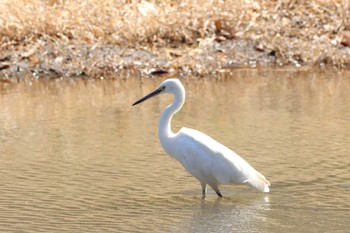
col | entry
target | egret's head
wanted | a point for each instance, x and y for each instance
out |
(168, 86)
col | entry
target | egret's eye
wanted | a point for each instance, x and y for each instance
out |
(162, 88)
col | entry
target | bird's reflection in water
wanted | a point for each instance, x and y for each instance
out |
(228, 214)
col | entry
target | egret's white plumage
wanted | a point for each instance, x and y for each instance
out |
(206, 159)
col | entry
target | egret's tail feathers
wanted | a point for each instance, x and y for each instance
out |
(260, 183)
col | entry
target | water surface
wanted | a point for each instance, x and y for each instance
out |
(76, 157)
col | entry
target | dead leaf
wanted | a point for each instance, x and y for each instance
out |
(3, 67)
(345, 41)
(225, 29)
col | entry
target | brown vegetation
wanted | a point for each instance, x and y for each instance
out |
(101, 38)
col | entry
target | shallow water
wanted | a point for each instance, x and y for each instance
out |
(76, 157)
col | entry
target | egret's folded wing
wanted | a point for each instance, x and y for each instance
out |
(211, 159)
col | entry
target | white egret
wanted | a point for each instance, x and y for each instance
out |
(204, 158)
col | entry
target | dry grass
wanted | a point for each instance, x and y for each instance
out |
(295, 30)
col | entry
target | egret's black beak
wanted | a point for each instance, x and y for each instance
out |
(154, 93)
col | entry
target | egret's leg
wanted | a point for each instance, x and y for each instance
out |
(204, 189)
(216, 189)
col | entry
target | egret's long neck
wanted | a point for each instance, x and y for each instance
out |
(165, 131)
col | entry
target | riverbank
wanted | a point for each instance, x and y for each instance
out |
(126, 38)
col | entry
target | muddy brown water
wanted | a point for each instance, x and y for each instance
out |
(76, 157)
